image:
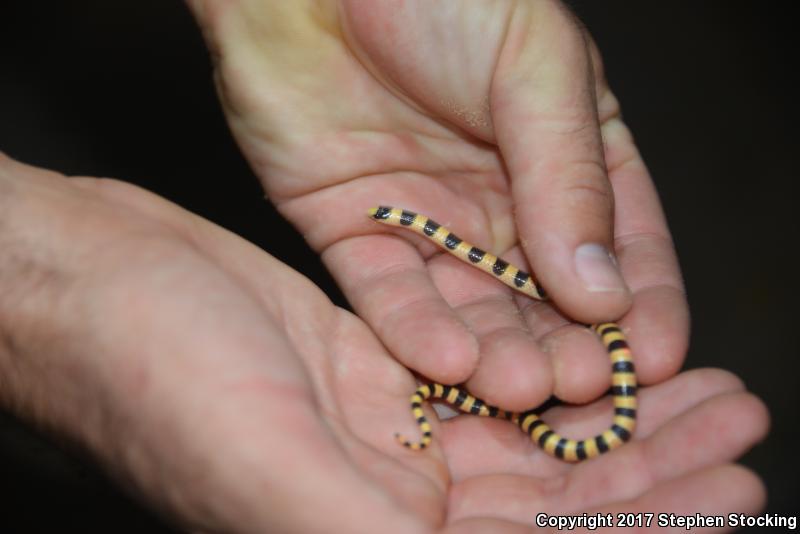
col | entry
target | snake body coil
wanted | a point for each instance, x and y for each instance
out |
(623, 374)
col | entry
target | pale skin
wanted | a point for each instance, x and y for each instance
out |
(231, 392)
(494, 119)
(228, 390)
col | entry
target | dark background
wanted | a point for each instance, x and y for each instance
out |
(124, 89)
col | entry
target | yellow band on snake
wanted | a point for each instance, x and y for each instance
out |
(623, 373)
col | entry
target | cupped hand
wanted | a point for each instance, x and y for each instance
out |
(231, 393)
(494, 119)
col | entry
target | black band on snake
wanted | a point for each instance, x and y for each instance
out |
(623, 383)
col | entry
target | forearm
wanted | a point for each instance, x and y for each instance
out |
(59, 368)
(36, 346)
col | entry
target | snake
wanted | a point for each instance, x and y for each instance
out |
(623, 373)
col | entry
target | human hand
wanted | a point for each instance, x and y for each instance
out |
(234, 396)
(219, 383)
(492, 118)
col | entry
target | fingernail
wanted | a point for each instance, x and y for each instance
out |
(597, 269)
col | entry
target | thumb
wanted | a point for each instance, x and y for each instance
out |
(546, 124)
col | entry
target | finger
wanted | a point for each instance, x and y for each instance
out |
(504, 449)
(716, 431)
(578, 360)
(658, 324)
(398, 298)
(656, 330)
(546, 125)
(580, 363)
(712, 492)
(513, 372)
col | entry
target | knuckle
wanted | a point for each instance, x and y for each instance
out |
(588, 189)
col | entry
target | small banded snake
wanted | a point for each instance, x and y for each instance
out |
(623, 373)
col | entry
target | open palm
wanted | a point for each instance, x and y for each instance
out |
(236, 396)
(494, 119)
(245, 401)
